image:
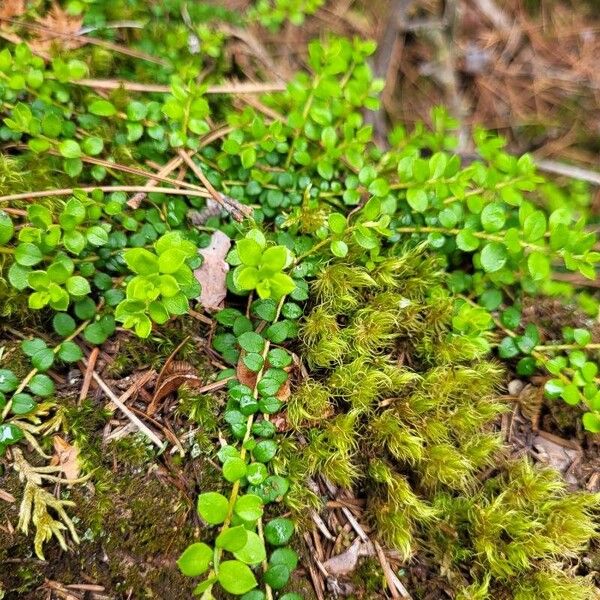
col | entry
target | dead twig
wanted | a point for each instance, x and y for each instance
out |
(238, 211)
(559, 168)
(127, 411)
(224, 88)
(104, 188)
(87, 379)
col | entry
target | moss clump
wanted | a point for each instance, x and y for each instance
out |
(413, 407)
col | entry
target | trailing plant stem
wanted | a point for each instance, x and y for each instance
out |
(478, 234)
(236, 486)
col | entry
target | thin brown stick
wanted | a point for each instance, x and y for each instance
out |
(175, 162)
(104, 188)
(225, 88)
(560, 168)
(387, 571)
(91, 40)
(87, 379)
(137, 199)
(140, 172)
(127, 411)
(237, 210)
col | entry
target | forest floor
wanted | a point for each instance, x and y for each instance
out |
(526, 69)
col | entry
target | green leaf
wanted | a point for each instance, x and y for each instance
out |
(102, 108)
(171, 260)
(554, 387)
(31, 347)
(141, 261)
(337, 223)
(249, 251)
(18, 276)
(72, 166)
(78, 286)
(227, 316)
(195, 559)
(251, 342)
(69, 149)
(43, 359)
(277, 576)
(248, 157)
(92, 146)
(511, 317)
(177, 304)
(493, 257)
(253, 552)
(538, 266)
(232, 539)
(94, 334)
(284, 556)
(591, 422)
(466, 241)
(253, 361)
(70, 352)
(245, 278)
(9, 434)
(28, 254)
(274, 259)
(97, 236)
(417, 199)
(257, 472)
(41, 385)
(265, 450)
(278, 357)
(380, 188)
(7, 228)
(248, 507)
(280, 285)
(63, 324)
(493, 217)
(534, 226)
(74, 242)
(236, 577)
(22, 404)
(582, 336)
(339, 248)
(279, 531)
(234, 469)
(8, 381)
(511, 196)
(136, 111)
(570, 394)
(213, 507)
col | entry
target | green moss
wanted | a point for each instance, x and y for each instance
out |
(368, 578)
(414, 437)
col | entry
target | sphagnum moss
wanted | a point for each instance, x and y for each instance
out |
(415, 406)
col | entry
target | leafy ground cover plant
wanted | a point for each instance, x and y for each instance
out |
(371, 229)
(252, 397)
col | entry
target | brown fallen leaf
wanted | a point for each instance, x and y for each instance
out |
(244, 374)
(58, 27)
(212, 274)
(12, 8)
(176, 374)
(66, 455)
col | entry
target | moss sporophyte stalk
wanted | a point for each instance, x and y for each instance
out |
(370, 296)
